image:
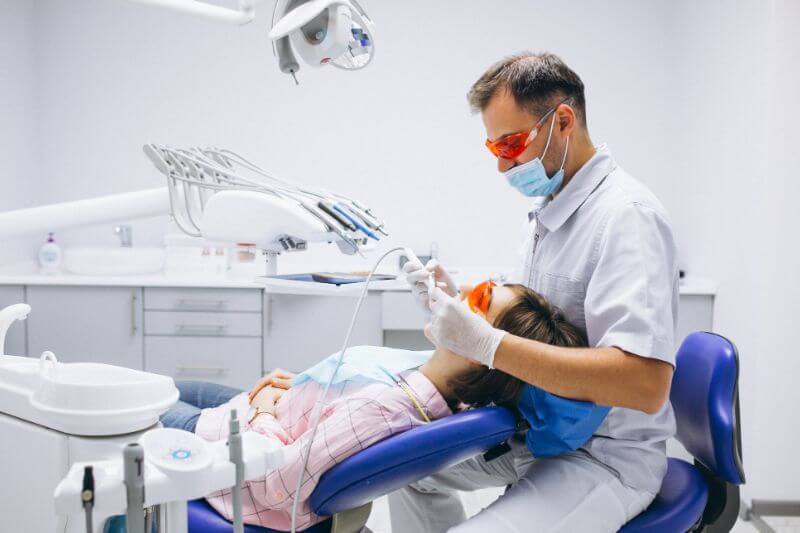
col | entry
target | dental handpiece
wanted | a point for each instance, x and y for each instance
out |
(327, 207)
(235, 456)
(133, 465)
(430, 282)
(87, 497)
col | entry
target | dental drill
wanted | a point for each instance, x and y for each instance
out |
(430, 282)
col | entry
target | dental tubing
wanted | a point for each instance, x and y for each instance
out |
(317, 413)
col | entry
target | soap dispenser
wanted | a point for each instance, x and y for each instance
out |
(50, 256)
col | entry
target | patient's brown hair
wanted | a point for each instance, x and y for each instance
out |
(529, 316)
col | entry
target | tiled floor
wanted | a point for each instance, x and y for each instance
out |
(474, 502)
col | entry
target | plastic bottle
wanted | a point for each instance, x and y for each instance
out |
(50, 256)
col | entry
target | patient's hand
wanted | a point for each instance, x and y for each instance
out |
(281, 379)
(267, 398)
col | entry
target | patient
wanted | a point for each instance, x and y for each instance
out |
(379, 392)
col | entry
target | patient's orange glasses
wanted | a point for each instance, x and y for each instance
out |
(512, 145)
(481, 296)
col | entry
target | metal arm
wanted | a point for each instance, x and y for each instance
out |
(245, 14)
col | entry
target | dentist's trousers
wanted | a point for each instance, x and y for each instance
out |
(571, 493)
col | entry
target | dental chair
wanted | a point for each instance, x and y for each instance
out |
(693, 497)
(705, 397)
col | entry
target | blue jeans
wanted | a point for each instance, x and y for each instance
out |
(195, 396)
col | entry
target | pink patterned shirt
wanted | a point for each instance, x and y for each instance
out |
(357, 415)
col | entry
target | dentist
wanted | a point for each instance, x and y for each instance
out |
(600, 247)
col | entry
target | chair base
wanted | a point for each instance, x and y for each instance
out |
(351, 521)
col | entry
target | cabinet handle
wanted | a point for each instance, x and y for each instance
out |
(201, 370)
(134, 327)
(187, 303)
(193, 329)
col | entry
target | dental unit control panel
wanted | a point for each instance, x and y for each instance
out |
(167, 468)
(94, 433)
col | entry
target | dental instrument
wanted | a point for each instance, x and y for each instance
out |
(133, 464)
(430, 281)
(342, 210)
(235, 455)
(319, 405)
(87, 497)
(223, 197)
(329, 208)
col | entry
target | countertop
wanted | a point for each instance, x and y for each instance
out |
(27, 274)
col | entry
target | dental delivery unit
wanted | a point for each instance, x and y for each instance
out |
(93, 429)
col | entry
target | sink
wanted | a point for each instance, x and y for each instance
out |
(113, 261)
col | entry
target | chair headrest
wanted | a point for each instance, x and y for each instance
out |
(705, 397)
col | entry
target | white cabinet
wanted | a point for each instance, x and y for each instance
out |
(695, 313)
(302, 330)
(204, 334)
(403, 319)
(233, 361)
(15, 340)
(99, 324)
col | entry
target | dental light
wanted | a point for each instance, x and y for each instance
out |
(322, 32)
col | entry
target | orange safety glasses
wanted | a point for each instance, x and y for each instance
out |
(481, 296)
(512, 145)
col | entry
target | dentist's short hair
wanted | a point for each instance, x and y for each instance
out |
(536, 81)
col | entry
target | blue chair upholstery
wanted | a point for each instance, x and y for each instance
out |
(388, 465)
(705, 399)
(203, 518)
(394, 463)
(679, 503)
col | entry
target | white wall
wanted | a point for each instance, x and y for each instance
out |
(17, 115)
(732, 150)
(697, 99)
(775, 418)
(398, 135)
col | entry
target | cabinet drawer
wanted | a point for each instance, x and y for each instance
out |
(400, 311)
(178, 299)
(199, 324)
(233, 361)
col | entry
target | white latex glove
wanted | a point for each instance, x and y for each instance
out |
(417, 274)
(455, 327)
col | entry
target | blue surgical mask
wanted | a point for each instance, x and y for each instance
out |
(531, 179)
